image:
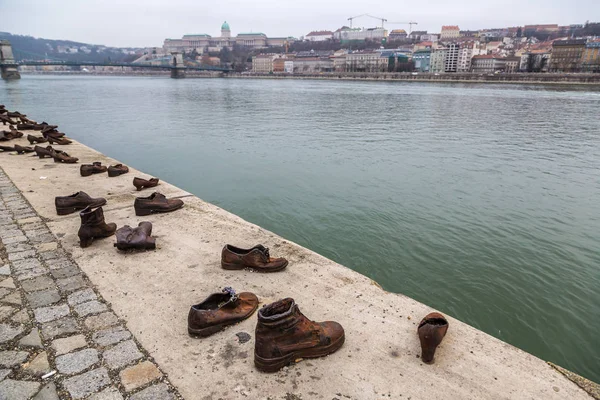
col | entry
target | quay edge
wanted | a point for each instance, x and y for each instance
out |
(153, 291)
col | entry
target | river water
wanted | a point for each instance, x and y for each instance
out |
(482, 201)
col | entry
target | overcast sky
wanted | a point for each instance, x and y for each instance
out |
(141, 23)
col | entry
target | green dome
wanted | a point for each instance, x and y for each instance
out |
(225, 26)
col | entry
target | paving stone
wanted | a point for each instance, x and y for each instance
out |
(14, 298)
(100, 321)
(18, 246)
(47, 238)
(65, 272)
(58, 263)
(6, 312)
(76, 362)
(91, 307)
(47, 246)
(4, 292)
(122, 354)
(59, 327)
(38, 283)
(10, 358)
(26, 264)
(110, 393)
(28, 220)
(8, 233)
(5, 270)
(139, 375)
(154, 392)
(14, 239)
(43, 298)
(47, 314)
(82, 385)
(81, 297)
(48, 392)
(37, 232)
(31, 273)
(21, 317)
(50, 255)
(21, 255)
(17, 390)
(70, 284)
(4, 373)
(8, 283)
(9, 332)
(68, 344)
(32, 339)
(110, 336)
(38, 366)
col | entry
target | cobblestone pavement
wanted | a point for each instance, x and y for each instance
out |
(58, 338)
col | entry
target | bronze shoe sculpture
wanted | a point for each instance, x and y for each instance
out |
(15, 133)
(61, 141)
(116, 170)
(155, 203)
(62, 157)
(23, 149)
(36, 139)
(220, 310)
(432, 330)
(78, 201)
(26, 127)
(93, 226)
(43, 152)
(140, 183)
(136, 238)
(284, 335)
(256, 258)
(7, 149)
(94, 168)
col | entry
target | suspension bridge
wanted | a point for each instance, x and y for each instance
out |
(10, 68)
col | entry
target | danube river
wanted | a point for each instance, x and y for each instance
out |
(482, 201)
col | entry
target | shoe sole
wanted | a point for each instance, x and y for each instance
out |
(204, 332)
(237, 267)
(275, 364)
(70, 210)
(141, 213)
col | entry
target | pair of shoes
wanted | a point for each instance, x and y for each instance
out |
(283, 333)
(155, 203)
(140, 183)
(139, 238)
(98, 168)
(58, 155)
(36, 139)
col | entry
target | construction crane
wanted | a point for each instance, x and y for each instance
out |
(383, 20)
(410, 24)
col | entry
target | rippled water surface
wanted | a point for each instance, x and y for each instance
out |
(482, 201)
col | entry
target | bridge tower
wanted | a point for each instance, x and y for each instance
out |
(8, 67)
(178, 67)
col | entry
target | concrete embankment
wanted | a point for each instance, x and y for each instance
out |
(152, 292)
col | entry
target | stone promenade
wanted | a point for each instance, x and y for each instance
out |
(58, 338)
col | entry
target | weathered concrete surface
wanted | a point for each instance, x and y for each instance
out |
(152, 292)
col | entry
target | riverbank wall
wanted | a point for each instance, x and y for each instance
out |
(523, 78)
(152, 292)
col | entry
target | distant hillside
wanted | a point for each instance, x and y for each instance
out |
(30, 48)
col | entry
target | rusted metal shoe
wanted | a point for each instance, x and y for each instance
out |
(62, 157)
(14, 132)
(62, 141)
(6, 149)
(220, 310)
(284, 335)
(23, 149)
(78, 201)
(156, 203)
(90, 169)
(116, 170)
(140, 183)
(432, 330)
(36, 139)
(139, 238)
(256, 258)
(43, 152)
(5, 119)
(26, 127)
(93, 226)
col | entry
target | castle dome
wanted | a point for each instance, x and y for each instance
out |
(225, 26)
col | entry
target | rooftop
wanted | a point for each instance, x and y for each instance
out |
(450, 28)
(320, 33)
